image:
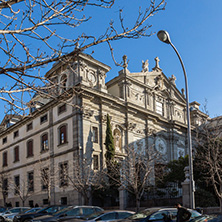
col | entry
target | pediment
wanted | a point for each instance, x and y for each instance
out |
(167, 88)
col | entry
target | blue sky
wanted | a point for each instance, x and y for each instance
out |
(195, 27)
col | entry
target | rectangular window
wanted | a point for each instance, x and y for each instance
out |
(45, 178)
(17, 184)
(16, 134)
(43, 118)
(63, 200)
(5, 187)
(63, 173)
(95, 162)
(62, 134)
(5, 159)
(159, 108)
(30, 148)
(95, 134)
(17, 204)
(30, 181)
(29, 127)
(62, 109)
(31, 203)
(16, 154)
(45, 201)
(4, 140)
(45, 144)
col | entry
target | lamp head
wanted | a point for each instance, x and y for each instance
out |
(164, 36)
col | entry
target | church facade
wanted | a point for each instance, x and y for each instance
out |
(146, 110)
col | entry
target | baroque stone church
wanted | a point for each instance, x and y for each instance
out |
(145, 107)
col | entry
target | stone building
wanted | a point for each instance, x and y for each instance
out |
(145, 106)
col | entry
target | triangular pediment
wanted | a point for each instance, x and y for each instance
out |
(167, 88)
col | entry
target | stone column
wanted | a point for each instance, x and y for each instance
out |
(122, 199)
(186, 189)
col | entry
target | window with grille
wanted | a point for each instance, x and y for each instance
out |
(5, 187)
(95, 162)
(63, 173)
(17, 184)
(45, 178)
(30, 181)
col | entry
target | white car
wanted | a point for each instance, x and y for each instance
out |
(8, 215)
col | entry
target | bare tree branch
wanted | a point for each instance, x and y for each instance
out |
(32, 35)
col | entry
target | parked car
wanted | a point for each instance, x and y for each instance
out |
(8, 215)
(45, 211)
(2, 209)
(105, 216)
(33, 210)
(158, 215)
(69, 213)
(216, 217)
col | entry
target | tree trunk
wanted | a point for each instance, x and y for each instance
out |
(137, 203)
(4, 200)
(220, 200)
(86, 199)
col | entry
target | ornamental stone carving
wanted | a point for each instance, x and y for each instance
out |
(145, 66)
(117, 140)
(87, 113)
(131, 126)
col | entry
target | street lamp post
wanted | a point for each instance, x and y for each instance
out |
(165, 37)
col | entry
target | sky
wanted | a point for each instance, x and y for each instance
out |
(195, 28)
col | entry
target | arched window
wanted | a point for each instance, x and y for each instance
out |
(44, 142)
(30, 148)
(63, 83)
(63, 134)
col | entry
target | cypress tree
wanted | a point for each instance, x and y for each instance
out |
(109, 142)
(111, 164)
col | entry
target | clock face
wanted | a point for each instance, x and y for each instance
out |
(160, 145)
(91, 77)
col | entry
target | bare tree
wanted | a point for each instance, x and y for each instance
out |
(137, 170)
(47, 182)
(36, 33)
(51, 176)
(85, 180)
(4, 186)
(208, 156)
(24, 187)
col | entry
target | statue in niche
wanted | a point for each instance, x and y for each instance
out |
(117, 140)
(180, 153)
